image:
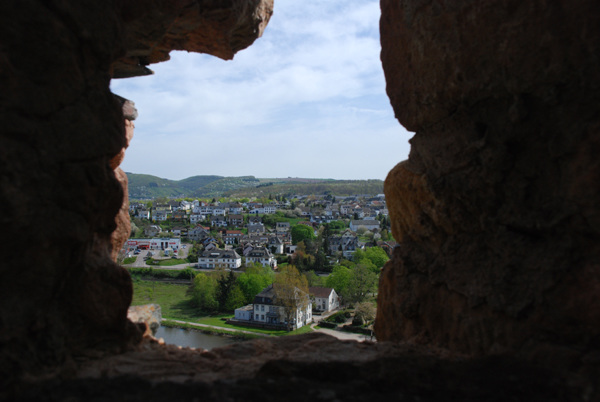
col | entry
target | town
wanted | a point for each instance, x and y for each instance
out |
(274, 262)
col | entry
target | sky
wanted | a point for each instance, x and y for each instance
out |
(307, 99)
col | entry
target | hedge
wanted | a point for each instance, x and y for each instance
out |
(187, 273)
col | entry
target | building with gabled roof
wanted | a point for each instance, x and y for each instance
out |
(262, 256)
(267, 309)
(324, 299)
(218, 258)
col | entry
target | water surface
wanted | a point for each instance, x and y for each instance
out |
(193, 339)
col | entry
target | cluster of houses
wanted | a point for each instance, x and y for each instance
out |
(241, 233)
(267, 311)
(222, 214)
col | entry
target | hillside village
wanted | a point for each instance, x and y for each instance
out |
(267, 232)
(336, 244)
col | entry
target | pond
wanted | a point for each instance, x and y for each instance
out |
(193, 339)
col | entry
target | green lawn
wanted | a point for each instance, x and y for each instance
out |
(171, 262)
(175, 305)
(129, 260)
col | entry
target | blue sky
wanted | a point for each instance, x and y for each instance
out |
(307, 99)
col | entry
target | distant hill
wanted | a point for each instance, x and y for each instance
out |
(333, 187)
(144, 187)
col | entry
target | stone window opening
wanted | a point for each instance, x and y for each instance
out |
(492, 295)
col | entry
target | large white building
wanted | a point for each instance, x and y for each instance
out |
(217, 258)
(155, 244)
(368, 224)
(266, 309)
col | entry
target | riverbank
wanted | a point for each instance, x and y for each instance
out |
(207, 329)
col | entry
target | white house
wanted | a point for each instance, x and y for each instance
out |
(325, 299)
(160, 215)
(266, 309)
(262, 256)
(245, 313)
(276, 245)
(369, 225)
(195, 218)
(218, 221)
(220, 258)
(269, 209)
(219, 211)
(236, 208)
(282, 227)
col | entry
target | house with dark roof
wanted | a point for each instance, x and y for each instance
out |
(367, 224)
(198, 233)
(218, 258)
(346, 243)
(256, 228)
(218, 221)
(232, 236)
(268, 310)
(276, 245)
(282, 227)
(235, 220)
(262, 256)
(324, 299)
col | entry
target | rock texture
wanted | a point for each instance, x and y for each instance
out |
(62, 134)
(496, 209)
(148, 314)
(220, 28)
(123, 224)
(302, 368)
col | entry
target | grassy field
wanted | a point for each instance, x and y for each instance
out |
(175, 305)
(172, 261)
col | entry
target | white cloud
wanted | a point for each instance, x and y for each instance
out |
(305, 100)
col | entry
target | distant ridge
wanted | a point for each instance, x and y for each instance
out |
(145, 187)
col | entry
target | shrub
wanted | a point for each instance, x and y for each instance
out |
(340, 317)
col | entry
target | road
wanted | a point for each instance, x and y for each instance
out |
(337, 334)
(140, 262)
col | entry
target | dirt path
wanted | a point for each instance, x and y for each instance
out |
(338, 334)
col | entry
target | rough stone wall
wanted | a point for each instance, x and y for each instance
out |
(496, 209)
(60, 126)
(62, 134)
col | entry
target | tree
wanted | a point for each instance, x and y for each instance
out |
(377, 256)
(362, 282)
(339, 280)
(302, 259)
(254, 279)
(336, 226)
(235, 299)
(364, 313)
(314, 279)
(203, 291)
(321, 263)
(224, 286)
(302, 233)
(291, 293)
